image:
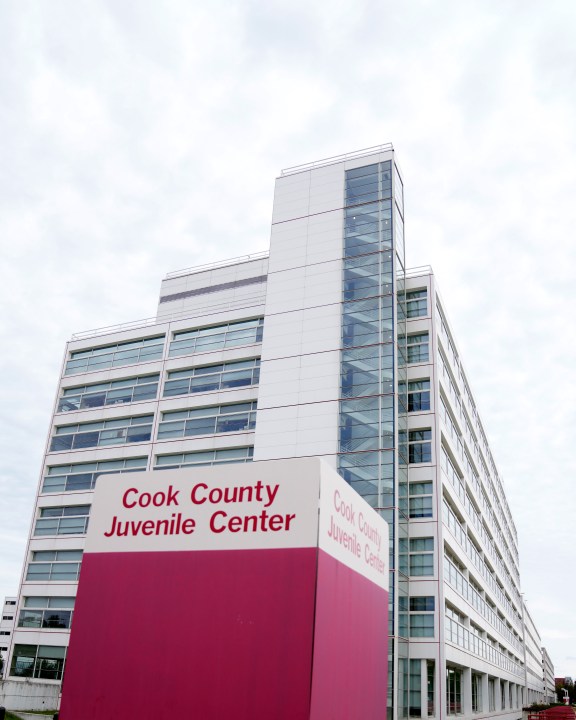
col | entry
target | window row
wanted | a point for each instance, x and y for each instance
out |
(420, 499)
(102, 433)
(221, 376)
(218, 337)
(68, 520)
(38, 661)
(416, 303)
(414, 396)
(114, 392)
(208, 420)
(206, 339)
(47, 612)
(235, 417)
(499, 500)
(417, 348)
(461, 636)
(116, 355)
(450, 473)
(419, 612)
(50, 565)
(83, 476)
(416, 556)
(415, 446)
(470, 592)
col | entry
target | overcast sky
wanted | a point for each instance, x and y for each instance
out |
(140, 137)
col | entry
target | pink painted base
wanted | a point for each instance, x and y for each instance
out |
(217, 635)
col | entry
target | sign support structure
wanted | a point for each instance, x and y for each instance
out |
(250, 591)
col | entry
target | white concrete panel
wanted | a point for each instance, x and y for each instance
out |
(288, 345)
(287, 182)
(316, 410)
(192, 444)
(326, 174)
(322, 290)
(274, 452)
(315, 395)
(316, 391)
(277, 330)
(283, 442)
(324, 222)
(271, 399)
(290, 231)
(281, 414)
(321, 340)
(288, 242)
(331, 198)
(315, 449)
(321, 360)
(281, 377)
(289, 210)
(321, 328)
(286, 290)
(324, 251)
(284, 259)
(275, 427)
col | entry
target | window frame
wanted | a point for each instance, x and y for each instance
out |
(105, 391)
(417, 303)
(115, 354)
(91, 471)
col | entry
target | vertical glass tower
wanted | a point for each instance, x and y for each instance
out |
(372, 420)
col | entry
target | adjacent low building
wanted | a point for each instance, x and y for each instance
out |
(6, 627)
(326, 346)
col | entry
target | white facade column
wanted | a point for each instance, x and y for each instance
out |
(467, 691)
(485, 700)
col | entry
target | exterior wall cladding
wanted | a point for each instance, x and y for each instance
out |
(325, 347)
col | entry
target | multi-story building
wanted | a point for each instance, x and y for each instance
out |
(548, 677)
(6, 627)
(535, 690)
(325, 346)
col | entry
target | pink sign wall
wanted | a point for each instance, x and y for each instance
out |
(251, 592)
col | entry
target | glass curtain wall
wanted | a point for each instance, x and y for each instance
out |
(372, 320)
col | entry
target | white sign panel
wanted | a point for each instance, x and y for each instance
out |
(274, 504)
(352, 531)
(240, 506)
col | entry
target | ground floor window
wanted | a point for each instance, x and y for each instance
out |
(430, 671)
(491, 694)
(38, 661)
(415, 704)
(453, 691)
(476, 692)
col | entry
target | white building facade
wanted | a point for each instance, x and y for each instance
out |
(325, 346)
